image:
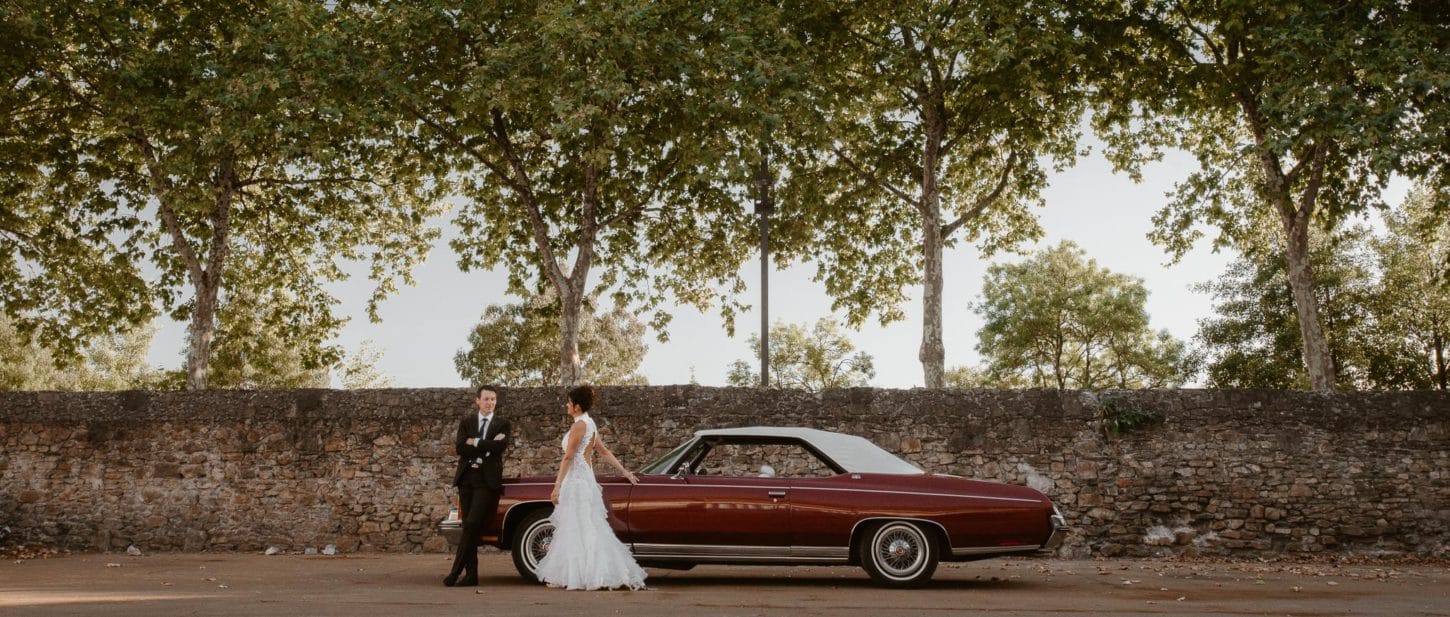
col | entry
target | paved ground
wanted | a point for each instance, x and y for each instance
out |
(398, 585)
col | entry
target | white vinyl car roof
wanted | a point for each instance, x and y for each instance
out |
(852, 453)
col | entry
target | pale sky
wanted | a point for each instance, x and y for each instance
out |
(1107, 214)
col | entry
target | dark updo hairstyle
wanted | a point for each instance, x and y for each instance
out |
(582, 395)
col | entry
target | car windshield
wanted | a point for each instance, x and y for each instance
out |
(662, 464)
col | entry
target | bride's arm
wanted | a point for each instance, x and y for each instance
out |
(609, 456)
(571, 445)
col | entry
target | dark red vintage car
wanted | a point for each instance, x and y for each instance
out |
(765, 495)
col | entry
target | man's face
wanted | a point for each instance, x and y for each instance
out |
(485, 402)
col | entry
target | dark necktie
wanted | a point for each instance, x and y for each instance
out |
(483, 430)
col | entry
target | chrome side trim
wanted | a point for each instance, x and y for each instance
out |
(823, 552)
(994, 550)
(815, 488)
(867, 490)
(764, 488)
(707, 552)
(746, 559)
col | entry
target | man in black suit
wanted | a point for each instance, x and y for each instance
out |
(482, 439)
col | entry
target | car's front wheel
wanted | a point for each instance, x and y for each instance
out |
(898, 554)
(531, 542)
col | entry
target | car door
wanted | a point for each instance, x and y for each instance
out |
(709, 508)
(825, 510)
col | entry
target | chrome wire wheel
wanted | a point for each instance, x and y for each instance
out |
(531, 543)
(899, 554)
(536, 542)
(900, 549)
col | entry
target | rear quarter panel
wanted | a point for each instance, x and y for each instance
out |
(824, 511)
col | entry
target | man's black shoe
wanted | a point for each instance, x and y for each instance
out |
(452, 579)
(468, 580)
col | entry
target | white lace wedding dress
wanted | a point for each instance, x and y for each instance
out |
(584, 553)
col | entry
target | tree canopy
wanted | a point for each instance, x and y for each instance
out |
(186, 137)
(112, 362)
(1383, 307)
(813, 359)
(942, 118)
(227, 163)
(1059, 320)
(575, 133)
(1297, 111)
(515, 344)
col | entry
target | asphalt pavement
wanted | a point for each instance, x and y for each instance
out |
(119, 585)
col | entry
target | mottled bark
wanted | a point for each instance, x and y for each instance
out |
(933, 353)
(205, 279)
(1294, 218)
(1442, 372)
(1301, 283)
(570, 369)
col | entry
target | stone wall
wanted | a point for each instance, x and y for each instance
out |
(1245, 473)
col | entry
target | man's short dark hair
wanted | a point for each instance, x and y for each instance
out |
(490, 387)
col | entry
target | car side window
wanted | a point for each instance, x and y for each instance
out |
(762, 460)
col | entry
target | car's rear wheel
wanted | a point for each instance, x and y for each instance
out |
(531, 542)
(898, 554)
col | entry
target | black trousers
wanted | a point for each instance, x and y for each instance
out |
(477, 503)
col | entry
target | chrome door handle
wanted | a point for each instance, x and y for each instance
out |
(777, 494)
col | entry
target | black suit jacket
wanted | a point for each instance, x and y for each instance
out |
(489, 448)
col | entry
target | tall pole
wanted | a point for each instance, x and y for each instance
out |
(764, 205)
(765, 299)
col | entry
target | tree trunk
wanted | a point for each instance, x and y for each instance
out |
(1301, 282)
(201, 332)
(570, 305)
(1441, 376)
(1278, 188)
(571, 288)
(933, 353)
(206, 279)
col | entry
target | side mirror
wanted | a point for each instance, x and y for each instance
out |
(680, 473)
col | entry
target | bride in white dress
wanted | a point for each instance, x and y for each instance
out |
(584, 554)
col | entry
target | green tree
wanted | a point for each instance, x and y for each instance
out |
(1059, 320)
(196, 132)
(1381, 301)
(1296, 111)
(516, 345)
(574, 131)
(813, 359)
(359, 370)
(1254, 339)
(66, 272)
(942, 117)
(1412, 300)
(113, 362)
(981, 377)
(253, 348)
(763, 63)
